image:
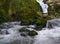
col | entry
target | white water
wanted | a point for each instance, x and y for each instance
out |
(49, 35)
(43, 5)
(13, 36)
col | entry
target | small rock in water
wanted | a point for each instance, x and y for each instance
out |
(24, 30)
(7, 32)
(4, 31)
(32, 33)
(24, 34)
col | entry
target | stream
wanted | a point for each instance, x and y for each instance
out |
(9, 33)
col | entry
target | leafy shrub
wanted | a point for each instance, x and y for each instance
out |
(4, 17)
(40, 21)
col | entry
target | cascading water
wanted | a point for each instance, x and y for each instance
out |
(9, 34)
(43, 5)
(51, 34)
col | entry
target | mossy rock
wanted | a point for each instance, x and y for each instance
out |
(32, 33)
(39, 27)
(24, 30)
(41, 22)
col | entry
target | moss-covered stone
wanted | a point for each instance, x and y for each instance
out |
(32, 33)
(39, 27)
(24, 30)
(41, 22)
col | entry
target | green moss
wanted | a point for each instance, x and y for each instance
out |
(32, 33)
(41, 23)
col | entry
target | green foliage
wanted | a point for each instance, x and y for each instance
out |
(4, 11)
(3, 16)
(57, 8)
(28, 19)
(25, 8)
(26, 11)
(40, 21)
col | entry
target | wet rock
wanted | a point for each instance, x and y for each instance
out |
(23, 34)
(1, 27)
(4, 31)
(7, 32)
(32, 33)
(24, 30)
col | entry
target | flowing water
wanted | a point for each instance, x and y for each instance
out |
(51, 34)
(43, 5)
(9, 33)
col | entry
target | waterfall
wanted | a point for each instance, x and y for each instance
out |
(43, 5)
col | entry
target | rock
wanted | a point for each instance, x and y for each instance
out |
(39, 27)
(7, 32)
(45, 14)
(4, 31)
(23, 34)
(24, 30)
(32, 33)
